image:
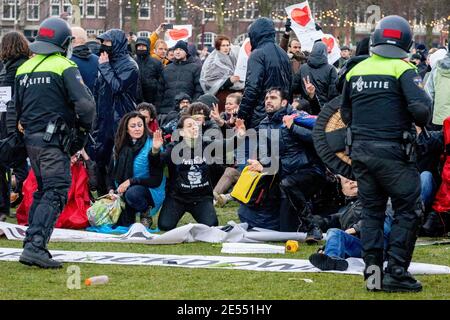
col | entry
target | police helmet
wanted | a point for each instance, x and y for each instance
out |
(392, 38)
(54, 35)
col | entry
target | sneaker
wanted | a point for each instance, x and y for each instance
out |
(324, 262)
(147, 222)
(3, 217)
(399, 280)
(39, 258)
(314, 235)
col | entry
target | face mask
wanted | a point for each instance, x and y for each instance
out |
(107, 49)
(141, 53)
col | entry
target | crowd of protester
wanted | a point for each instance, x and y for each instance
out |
(154, 102)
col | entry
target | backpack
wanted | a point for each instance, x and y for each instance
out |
(252, 187)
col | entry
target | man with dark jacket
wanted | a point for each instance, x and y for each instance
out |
(116, 94)
(268, 66)
(183, 75)
(86, 61)
(344, 230)
(321, 74)
(150, 73)
(300, 171)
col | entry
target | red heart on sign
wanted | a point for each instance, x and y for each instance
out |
(329, 43)
(177, 34)
(248, 48)
(301, 16)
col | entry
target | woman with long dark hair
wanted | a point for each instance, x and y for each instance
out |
(134, 173)
(13, 52)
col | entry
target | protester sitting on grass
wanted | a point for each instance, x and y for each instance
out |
(189, 185)
(343, 240)
(135, 171)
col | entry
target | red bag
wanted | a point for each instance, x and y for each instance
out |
(74, 214)
(442, 199)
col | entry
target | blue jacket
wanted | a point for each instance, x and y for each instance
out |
(141, 169)
(115, 92)
(296, 149)
(87, 64)
(268, 66)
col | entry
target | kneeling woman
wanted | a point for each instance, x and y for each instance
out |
(189, 186)
(135, 171)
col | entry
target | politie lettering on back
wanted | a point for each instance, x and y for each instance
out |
(27, 81)
(360, 84)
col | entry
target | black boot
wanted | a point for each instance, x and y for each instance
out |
(434, 225)
(324, 262)
(35, 254)
(314, 235)
(397, 279)
(373, 271)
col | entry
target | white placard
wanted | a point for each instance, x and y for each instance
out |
(179, 32)
(5, 97)
(304, 27)
(241, 65)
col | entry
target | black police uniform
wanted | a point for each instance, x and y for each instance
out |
(382, 101)
(49, 93)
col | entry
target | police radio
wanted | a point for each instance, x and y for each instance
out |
(51, 129)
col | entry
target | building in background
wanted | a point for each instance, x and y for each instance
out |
(208, 17)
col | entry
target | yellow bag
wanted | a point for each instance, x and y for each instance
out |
(252, 187)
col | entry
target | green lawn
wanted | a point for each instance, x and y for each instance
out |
(137, 282)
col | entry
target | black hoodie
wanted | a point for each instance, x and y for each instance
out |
(87, 64)
(268, 66)
(150, 75)
(321, 74)
(115, 93)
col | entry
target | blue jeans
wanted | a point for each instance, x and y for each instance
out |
(428, 188)
(342, 245)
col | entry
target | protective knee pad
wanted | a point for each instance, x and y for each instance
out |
(53, 203)
(403, 238)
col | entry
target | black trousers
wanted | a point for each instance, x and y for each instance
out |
(52, 169)
(382, 171)
(173, 210)
(296, 190)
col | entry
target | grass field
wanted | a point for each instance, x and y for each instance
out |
(136, 282)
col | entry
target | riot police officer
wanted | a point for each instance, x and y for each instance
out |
(383, 97)
(51, 104)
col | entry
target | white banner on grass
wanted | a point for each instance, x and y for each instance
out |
(304, 27)
(356, 266)
(138, 234)
(179, 32)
